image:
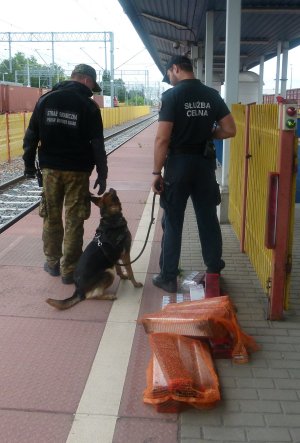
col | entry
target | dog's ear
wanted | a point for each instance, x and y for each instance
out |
(96, 200)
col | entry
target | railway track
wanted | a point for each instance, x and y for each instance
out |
(20, 196)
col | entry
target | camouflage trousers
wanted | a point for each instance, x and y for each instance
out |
(64, 192)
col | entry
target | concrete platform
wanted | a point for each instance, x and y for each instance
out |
(78, 376)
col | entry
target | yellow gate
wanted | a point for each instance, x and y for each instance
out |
(254, 154)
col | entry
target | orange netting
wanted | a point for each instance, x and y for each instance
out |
(181, 371)
(212, 318)
(180, 374)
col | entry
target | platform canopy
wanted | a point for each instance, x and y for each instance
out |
(172, 27)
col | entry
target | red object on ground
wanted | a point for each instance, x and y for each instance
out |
(212, 285)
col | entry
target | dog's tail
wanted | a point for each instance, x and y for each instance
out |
(67, 303)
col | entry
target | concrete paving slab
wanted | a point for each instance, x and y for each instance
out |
(46, 356)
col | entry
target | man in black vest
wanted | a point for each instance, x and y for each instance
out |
(191, 114)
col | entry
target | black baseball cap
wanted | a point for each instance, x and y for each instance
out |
(176, 60)
(90, 71)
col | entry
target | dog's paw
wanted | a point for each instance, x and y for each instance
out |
(107, 297)
(103, 297)
(138, 284)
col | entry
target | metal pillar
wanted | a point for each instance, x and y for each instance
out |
(232, 51)
(284, 68)
(199, 64)
(28, 73)
(112, 68)
(261, 79)
(209, 44)
(232, 67)
(9, 52)
(277, 70)
(52, 64)
(195, 55)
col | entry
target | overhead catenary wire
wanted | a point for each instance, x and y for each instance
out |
(130, 58)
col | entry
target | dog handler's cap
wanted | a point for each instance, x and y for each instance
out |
(176, 60)
(90, 71)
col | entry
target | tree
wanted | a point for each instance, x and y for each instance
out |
(136, 97)
(39, 75)
(120, 90)
(119, 86)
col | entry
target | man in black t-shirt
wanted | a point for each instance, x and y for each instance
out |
(191, 114)
(66, 131)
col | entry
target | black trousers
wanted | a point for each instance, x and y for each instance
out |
(190, 176)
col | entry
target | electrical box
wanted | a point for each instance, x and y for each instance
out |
(195, 52)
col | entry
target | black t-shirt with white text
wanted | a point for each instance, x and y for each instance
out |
(193, 108)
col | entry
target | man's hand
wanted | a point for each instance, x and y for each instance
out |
(102, 185)
(158, 184)
(30, 172)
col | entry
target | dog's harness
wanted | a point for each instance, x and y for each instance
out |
(110, 238)
(97, 239)
(102, 240)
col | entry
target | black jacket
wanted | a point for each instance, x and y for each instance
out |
(66, 127)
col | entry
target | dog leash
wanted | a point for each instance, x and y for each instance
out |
(147, 236)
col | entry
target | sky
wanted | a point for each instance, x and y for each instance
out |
(99, 16)
(293, 72)
(79, 16)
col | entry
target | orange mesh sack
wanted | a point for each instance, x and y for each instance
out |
(157, 393)
(213, 318)
(190, 318)
(223, 300)
(180, 374)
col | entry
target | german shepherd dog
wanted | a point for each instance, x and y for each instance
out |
(96, 267)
